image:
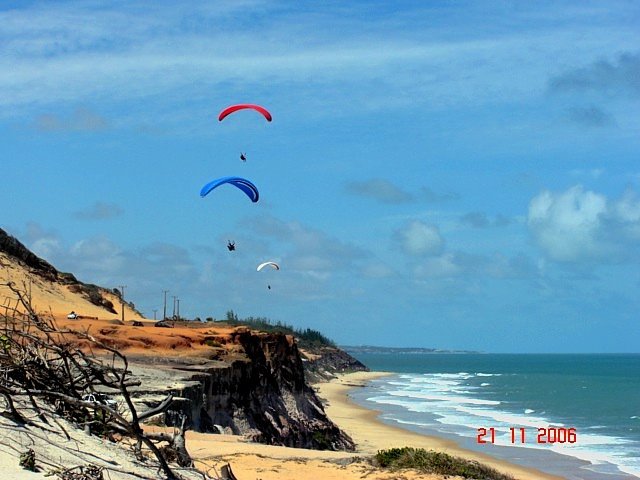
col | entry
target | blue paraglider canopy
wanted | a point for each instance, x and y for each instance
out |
(242, 183)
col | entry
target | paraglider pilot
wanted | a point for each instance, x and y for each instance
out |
(243, 157)
(231, 245)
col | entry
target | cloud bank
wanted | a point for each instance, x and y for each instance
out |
(579, 225)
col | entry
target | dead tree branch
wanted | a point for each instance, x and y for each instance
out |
(44, 363)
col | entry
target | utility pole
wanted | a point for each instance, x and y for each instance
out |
(154, 313)
(122, 287)
(164, 311)
(178, 314)
(174, 307)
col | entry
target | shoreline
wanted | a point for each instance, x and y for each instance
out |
(371, 434)
(266, 462)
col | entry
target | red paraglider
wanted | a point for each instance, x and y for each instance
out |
(243, 106)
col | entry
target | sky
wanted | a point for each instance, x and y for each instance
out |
(453, 175)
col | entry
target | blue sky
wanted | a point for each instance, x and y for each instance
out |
(458, 175)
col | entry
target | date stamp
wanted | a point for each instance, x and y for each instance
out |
(523, 435)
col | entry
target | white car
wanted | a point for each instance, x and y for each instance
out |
(100, 398)
(72, 316)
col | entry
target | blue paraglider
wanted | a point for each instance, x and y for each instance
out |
(242, 183)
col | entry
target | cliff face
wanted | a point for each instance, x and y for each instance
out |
(323, 364)
(223, 378)
(256, 388)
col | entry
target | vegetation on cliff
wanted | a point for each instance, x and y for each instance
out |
(322, 358)
(307, 338)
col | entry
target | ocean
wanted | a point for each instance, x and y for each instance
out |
(577, 416)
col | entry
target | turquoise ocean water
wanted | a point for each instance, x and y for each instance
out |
(580, 413)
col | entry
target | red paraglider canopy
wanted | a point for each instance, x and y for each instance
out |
(242, 106)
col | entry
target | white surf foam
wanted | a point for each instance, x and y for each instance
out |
(456, 410)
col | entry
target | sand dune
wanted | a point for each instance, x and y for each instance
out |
(49, 297)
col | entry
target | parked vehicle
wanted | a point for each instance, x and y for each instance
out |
(100, 398)
(163, 323)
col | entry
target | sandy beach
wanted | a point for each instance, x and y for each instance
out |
(255, 461)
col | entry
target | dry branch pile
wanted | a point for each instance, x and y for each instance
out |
(44, 370)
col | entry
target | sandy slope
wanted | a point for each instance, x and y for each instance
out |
(48, 297)
(59, 444)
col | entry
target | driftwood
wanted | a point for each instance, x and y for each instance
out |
(226, 473)
(43, 363)
(177, 442)
(82, 472)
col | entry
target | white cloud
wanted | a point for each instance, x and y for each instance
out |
(377, 270)
(100, 260)
(442, 266)
(99, 211)
(44, 244)
(627, 209)
(620, 76)
(307, 249)
(97, 256)
(46, 247)
(593, 173)
(465, 266)
(56, 53)
(578, 225)
(379, 189)
(482, 220)
(99, 247)
(420, 239)
(82, 119)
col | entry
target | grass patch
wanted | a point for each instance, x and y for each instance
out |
(436, 462)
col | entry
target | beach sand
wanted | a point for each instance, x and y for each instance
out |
(251, 461)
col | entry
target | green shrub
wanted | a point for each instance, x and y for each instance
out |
(306, 337)
(322, 440)
(387, 458)
(436, 462)
(28, 460)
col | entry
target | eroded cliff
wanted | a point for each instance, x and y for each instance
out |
(252, 384)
